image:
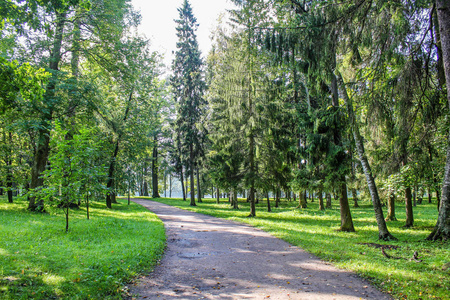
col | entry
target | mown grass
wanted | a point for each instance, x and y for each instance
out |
(94, 260)
(316, 232)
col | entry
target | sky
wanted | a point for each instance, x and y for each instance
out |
(158, 22)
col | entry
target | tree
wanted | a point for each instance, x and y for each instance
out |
(188, 88)
(73, 168)
(442, 228)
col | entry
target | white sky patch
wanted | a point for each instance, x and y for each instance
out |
(159, 26)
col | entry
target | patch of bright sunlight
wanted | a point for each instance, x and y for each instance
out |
(52, 279)
(4, 252)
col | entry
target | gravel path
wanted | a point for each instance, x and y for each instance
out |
(211, 258)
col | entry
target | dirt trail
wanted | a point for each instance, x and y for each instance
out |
(211, 258)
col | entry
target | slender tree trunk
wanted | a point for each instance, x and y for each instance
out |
(155, 187)
(191, 164)
(87, 206)
(129, 193)
(182, 184)
(110, 195)
(269, 209)
(186, 186)
(145, 189)
(277, 198)
(383, 232)
(67, 210)
(321, 206)
(218, 195)
(252, 176)
(8, 161)
(409, 208)
(199, 192)
(165, 183)
(170, 185)
(110, 182)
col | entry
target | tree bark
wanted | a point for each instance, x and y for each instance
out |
(346, 216)
(110, 182)
(191, 164)
(442, 228)
(328, 203)
(383, 232)
(110, 195)
(355, 198)
(234, 200)
(321, 206)
(269, 209)
(391, 208)
(199, 192)
(218, 195)
(145, 189)
(302, 200)
(182, 184)
(155, 187)
(43, 142)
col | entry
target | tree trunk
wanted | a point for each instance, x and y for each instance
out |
(191, 165)
(43, 136)
(145, 189)
(346, 217)
(269, 209)
(383, 232)
(155, 187)
(110, 182)
(218, 195)
(391, 208)
(409, 208)
(355, 198)
(328, 203)
(302, 198)
(8, 161)
(199, 193)
(165, 183)
(321, 206)
(277, 198)
(234, 199)
(110, 195)
(252, 176)
(182, 184)
(170, 185)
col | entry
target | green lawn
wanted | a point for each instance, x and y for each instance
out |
(94, 260)
(316, 232)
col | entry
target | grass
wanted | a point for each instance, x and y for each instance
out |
(94, 260)
(316, 232)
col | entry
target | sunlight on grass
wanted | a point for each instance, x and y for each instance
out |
(94, 260)
(316, 232)
(53, 279)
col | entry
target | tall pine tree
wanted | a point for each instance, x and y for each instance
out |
(188, 86)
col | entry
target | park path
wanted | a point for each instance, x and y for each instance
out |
(211, 258)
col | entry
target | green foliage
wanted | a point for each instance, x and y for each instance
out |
(93, 261)
(315, 231)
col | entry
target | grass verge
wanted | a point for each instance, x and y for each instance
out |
(94, 260)
(316, 232)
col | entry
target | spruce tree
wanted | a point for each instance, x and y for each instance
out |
(188, 86)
